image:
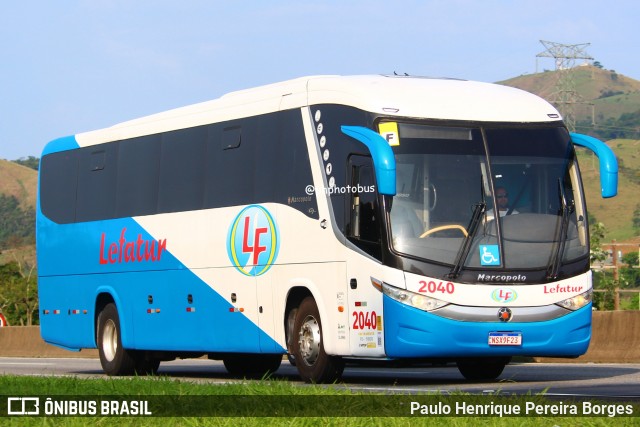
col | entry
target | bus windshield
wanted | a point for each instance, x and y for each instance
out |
(501, 197)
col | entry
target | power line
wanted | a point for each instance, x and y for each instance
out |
(565, 96)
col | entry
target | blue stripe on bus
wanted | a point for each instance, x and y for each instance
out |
(71, 276)
(410, 332)
(61, 144)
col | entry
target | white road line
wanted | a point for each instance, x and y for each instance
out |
(26, 363)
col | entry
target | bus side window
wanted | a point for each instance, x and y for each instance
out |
(363, 227)
(96, 197)
(59, 185)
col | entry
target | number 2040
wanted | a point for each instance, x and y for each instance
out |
(364, 320)
(432, 287)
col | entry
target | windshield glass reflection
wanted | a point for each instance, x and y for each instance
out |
(444, 174)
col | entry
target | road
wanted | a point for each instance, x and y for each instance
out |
(610, 381)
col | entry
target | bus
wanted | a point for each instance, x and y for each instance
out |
(327, 219)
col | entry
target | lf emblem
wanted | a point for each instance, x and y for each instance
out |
(253, 241)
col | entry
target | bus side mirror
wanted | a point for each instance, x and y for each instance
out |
(607, 159)
(384, 162)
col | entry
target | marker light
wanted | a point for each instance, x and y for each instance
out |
(421, 302)
(578, 301)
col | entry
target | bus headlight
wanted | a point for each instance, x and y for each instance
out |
(578, 301)
(421, 302)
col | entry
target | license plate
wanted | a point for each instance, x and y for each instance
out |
(505, 338)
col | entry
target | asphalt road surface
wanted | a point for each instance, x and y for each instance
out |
(615, 382)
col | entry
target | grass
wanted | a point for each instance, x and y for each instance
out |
(273, 403)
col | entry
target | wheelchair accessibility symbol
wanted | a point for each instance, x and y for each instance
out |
(489, 255)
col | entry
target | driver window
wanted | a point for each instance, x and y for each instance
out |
(364, 221)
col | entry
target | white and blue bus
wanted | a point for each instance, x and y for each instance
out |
(325, 218)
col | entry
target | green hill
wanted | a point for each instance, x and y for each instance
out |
(610, 102)
(616, 213)
(18, 181)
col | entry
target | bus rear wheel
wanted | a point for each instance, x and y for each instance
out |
(479, 369)
(115, 359)
(314, 365)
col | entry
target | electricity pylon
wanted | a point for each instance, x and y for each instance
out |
(564, 96)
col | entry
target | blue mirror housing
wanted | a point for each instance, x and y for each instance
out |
(384, 161)
(607, 159)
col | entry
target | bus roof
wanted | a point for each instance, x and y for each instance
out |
(402, 96)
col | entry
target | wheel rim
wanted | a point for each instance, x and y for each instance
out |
(110, 340)
(309, 340)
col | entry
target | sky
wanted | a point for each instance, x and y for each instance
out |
(71, 66)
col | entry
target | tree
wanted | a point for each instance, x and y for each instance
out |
(630, 258)
(19, 293)
(601, 281)
(30, 162)
(8, 275)
(629, 272)
(597, 231)
(17, 226)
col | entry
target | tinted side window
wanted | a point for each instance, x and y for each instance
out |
(58, 185)
(364, 222)
(96, 182)
(339, 147)
(182, 165)
(292, 168)
(137, 183)
(264, 137)
(229, 171)
(258, 159)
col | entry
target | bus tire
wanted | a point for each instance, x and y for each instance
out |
(291, 320)
(479, 369)
(252, 365)
(313, 364)
(115, 359)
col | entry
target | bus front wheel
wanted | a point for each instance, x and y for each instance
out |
(115, 359)
(313, 364)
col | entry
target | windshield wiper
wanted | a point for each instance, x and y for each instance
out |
(553, 269)
(478, 213)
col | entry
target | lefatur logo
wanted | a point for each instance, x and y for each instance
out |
(253, 241)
